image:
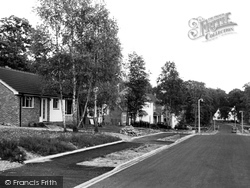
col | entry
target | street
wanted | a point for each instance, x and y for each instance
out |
(74, 174)
(221, 160)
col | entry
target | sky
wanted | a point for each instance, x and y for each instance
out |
(158, 30)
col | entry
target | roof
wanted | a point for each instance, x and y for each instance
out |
(22, 82)
(151, 98)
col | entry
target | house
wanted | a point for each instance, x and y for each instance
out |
(154, 113)
(22, 100)
(217, 115)
(151, 111)
(232, 115)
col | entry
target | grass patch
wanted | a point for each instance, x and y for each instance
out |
(43, 142)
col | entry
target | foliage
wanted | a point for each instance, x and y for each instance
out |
(45, 142)
(15, 42)
(246, 102)
(194, 91)
(43, 146)
(137, 85)
(41, 47)
(170, 89)
(85, 32)
(236, 99)
(91, 140)
(9, 150)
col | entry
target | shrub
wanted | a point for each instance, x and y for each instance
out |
(32, 124)
(9, 151)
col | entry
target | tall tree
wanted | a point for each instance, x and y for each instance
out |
(246, 99)
(85, 31)
(137, 85)
(15, 41)
(194, 91)
(222, 102)
(101, 45)
(170, 89)
(236, 99)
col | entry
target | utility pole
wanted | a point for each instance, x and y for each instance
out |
(199, 114)
(241, 121)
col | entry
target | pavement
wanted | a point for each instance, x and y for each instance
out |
(82, 176)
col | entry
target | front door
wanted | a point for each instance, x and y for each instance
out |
(44, 110)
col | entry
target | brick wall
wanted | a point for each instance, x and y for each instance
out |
(9, 106)
(31, 114)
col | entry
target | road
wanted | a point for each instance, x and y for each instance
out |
(74, 174)
(221, 160)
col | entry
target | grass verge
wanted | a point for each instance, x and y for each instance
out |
(15, 141)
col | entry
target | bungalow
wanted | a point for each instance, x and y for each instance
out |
(22, 101)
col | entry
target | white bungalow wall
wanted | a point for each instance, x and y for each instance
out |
(56, 114)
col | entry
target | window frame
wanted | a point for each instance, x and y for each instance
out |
(55, 101)
(66, 107)
(27, 103)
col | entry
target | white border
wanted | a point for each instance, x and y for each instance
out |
(9, 87)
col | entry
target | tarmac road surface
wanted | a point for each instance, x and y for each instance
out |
(74, 174)
(220, 160)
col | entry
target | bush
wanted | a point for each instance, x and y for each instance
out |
(34, 124)
(10, 151)
(141, 124)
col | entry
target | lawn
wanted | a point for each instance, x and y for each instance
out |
(16, 142)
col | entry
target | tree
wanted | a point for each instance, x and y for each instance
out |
(97, 39)
(85, 32)
(56, 74)
(222, 103)
(194, 91)
(246, 99)
(170, 89)
(41, 47)
(137, 85)
(15, 41)
(236, 99)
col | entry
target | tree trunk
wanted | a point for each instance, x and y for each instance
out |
(85, 107)
(62, 108)
(74, 101)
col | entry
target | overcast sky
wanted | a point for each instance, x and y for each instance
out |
(158, 31)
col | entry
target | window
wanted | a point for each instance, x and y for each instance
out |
(55, 104)
(68, 106)
(28, 102)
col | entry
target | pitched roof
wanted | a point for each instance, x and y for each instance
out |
(151, 98)
(22, 82)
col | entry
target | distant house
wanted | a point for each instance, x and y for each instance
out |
(154, 113)
(217, 115)
(232, 115)
(151, 111)
(22, 101)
